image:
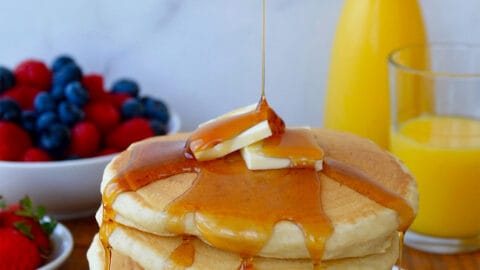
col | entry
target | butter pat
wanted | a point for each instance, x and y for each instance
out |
(296, 148)
(234, 130)
(254, 134)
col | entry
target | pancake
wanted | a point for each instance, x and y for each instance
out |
(133, 249)
(361, 226)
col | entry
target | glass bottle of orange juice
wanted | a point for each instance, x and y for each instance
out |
(357, 97)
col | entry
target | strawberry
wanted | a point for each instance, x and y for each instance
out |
(17, 252)
(94, 85)
(103, 114)
(132, 130)
(35, 154)
(24, 95)
(31, 222)
(85, 140)
(33, 73)
(14, 141)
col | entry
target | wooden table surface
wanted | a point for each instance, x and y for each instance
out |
(84, 229)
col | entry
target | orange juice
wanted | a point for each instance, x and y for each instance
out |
(357, 97)
(443, 153)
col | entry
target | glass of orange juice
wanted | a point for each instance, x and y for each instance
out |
(436, 133)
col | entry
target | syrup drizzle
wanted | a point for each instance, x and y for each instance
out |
(225, 194)
(226, 197)
(246, 264)
(400, 247)
(298, 145)
(363, 184)
(184, 254)
(209, 135)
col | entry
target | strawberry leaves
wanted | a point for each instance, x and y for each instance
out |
(29, 220)
(27, 209)
(24, 228)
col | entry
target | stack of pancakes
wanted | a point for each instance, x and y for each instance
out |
(365, 234)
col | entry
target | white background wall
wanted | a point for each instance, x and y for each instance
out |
(203, 56)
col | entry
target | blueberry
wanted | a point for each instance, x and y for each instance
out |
(126, 86)
(132, 108)
(10, 110)
(158, 127)
(76, 93)
(61, 61)
(29, 120)
(44, 102)
(68, 73)
(7, 80)
(55, 140)
(58, 92)
(45, 120)
(72, 157)
(156, 109)
(70, 113)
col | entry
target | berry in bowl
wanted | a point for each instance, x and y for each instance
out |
(60, 127)
(30, 239)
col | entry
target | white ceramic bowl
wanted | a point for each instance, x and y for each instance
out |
(68, 189)
(62, 242)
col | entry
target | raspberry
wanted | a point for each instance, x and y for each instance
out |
(36, 155)
(132, 130)
(103, 114)
(85, 140)
(23, 95)
(14, 142)
(94, 85)
(118, 99)
(17, 251)
(33, 73)
(106, 151)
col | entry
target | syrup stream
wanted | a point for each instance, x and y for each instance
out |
(263, 47)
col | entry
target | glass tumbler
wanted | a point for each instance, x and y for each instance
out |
(435, 98)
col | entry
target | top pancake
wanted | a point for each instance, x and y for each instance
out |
(361, 226)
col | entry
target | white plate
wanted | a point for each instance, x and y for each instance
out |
(62, 241)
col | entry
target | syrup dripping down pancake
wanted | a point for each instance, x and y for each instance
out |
(360, 225)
